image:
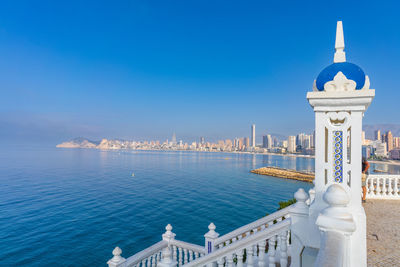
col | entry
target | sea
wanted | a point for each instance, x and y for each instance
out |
(72, 207)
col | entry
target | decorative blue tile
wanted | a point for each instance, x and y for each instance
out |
(338, 156)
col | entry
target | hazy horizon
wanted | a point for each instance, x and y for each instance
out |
(136, 70)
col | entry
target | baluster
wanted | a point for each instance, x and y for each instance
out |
(144, 263)
(284, 255)
(239, 258)
(190, 255)
(185, 254)
(156, 258)
(196, 255)
(386, 191)
(221, 262)
(271, 251)
(395, 185)
(174, 253)
(382, 187)
(249, 256)
(369, 186)
(261, 253)
(229, 260)
(153, 260)
(180, 256)
(278, 246)
(390, 188)
(148, 262)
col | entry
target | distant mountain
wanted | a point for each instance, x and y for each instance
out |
(79, 142)
(371, 128)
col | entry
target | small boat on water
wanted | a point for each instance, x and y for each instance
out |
(133, 174)
(376, 170)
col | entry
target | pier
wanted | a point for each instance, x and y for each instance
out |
(285, 173)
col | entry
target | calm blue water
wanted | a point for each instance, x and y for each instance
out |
(71, 207)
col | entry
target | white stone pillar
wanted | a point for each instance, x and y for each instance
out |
(210, 238)
(337, 225)
(168, 235)
(299, 226)
(117, 260)
(167, 260)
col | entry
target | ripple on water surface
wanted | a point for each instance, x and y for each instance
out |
(65, 207)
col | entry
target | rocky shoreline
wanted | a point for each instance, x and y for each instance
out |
(285, 173)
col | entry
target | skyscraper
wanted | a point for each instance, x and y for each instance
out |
(202, 140)
(378, 135)
(173, 139)
(253, 135)
(291, 144)
(389, 141)
(267, 141)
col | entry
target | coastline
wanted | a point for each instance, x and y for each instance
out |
(388, 162)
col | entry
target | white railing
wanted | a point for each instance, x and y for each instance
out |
(182, 253)
(258, 249)
(383, 186)
(148, 257)
(248, 244)
(251, 228)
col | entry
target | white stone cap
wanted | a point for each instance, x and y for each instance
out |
(168, 235)
(345, 100)
(211, 234)
(337, 216)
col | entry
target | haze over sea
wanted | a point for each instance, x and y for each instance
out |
(71, 207)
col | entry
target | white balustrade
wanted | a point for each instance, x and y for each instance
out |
(251, 228)
(383, 186)
(245, 246)
(179, 252)
(255, 245)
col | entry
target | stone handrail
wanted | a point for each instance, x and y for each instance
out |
(182, 253)
(254, 246)
(151, 255)
(383, 186)
(251, 228)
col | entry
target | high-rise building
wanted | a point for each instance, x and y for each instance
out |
(246, 142)
(173, 139)
(202, 140)
(267, 141)
(253, 135)
(378, 135)
(291, 144)
(396, 142)
(389, 141)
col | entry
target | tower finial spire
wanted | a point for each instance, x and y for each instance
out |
(340, 55)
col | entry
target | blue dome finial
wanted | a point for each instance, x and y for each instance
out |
(349, 70)
(340, 55)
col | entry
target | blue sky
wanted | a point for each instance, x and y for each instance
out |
(144, 69)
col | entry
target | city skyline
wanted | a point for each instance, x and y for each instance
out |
(153, 69)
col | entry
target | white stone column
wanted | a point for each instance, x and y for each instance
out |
(337, 225)
(299, 226)
(117, 260)
(210, 238)
(168, 235)
(167, 260)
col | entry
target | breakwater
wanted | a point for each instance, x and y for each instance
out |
(285, 173)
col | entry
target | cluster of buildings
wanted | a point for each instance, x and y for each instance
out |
(384, 146)
(301, 144)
